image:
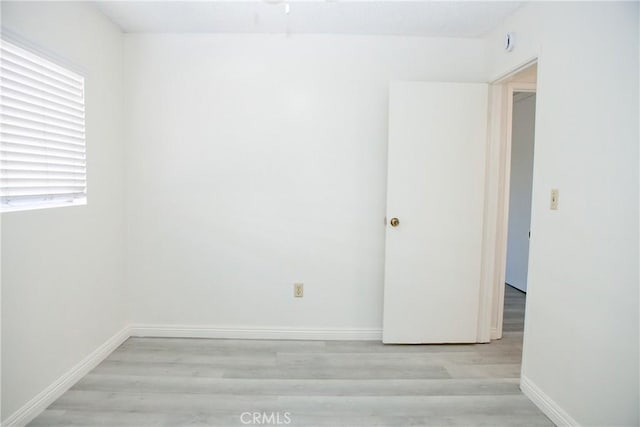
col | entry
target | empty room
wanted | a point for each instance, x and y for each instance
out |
(319, 213)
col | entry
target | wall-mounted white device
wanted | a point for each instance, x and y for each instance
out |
(509, 40)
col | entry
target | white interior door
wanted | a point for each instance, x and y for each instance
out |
(435, 188)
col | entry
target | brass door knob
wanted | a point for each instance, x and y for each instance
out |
(394, 222)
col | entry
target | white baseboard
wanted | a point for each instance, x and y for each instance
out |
(39, 403)
(199, 331)
(547, 405)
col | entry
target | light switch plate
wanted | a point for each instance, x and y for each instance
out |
(298, 290)
(555, 195)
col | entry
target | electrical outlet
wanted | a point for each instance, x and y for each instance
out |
(298, 290)
(555, 195)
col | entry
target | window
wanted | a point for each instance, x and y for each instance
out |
(42, 138)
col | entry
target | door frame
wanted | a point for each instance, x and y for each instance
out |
(496, 205)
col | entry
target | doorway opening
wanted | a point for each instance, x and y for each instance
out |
(518, 86)
(519, 218)
(519, 139)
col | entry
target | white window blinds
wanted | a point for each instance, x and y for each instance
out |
(42, 133)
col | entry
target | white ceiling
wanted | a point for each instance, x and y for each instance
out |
(412, 18)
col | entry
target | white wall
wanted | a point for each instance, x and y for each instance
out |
(254, 162)
(523, 131)
(62, 269)
(257, 161)
(581, 330)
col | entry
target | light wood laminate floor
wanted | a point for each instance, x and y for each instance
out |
(202, 382)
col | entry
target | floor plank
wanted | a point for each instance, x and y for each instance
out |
(200, 382)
